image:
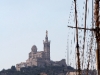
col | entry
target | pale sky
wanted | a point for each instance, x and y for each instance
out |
(23, 23)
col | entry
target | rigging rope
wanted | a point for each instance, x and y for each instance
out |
(84, 32)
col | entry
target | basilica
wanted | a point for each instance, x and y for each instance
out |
(40, 58)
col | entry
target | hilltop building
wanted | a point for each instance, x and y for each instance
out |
(40, 58)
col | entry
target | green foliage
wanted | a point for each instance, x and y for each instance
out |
(50, 70)
(13, 68)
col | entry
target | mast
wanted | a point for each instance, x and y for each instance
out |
(97, 33)
(95, 29)
(77, 44)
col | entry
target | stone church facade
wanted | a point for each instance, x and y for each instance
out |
(40, 58)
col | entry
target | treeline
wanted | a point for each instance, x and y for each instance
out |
(49, 70)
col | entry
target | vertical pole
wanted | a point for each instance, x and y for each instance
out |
(77, 45)
(97, 31)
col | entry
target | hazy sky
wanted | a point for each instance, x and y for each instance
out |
(23, 23)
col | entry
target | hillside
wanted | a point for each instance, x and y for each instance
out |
(49, 70)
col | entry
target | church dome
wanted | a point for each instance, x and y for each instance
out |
(34, 49)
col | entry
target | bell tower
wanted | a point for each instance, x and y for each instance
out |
(46, 44)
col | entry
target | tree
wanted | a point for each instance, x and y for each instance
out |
(13, 68)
